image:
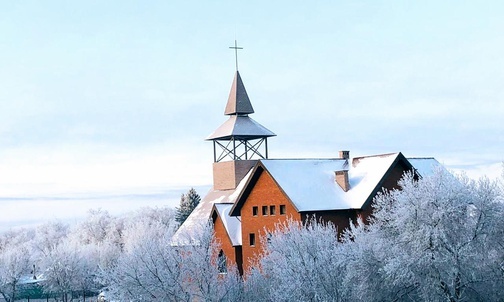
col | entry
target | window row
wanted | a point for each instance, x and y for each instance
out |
(271, 210)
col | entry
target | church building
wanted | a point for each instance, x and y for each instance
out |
(252, 193)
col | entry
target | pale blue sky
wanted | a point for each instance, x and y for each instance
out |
(116, 97)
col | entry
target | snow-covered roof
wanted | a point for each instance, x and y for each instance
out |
(240, 127)
(202, 213)
(310, 183)
(232, 224)
(28, 279)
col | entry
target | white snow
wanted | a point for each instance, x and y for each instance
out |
(311, 185)
(231, 223)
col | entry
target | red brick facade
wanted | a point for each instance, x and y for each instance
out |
(264, 195)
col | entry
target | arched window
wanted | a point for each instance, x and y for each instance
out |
(222, 263)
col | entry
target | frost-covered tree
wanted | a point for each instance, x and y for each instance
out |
(101, 232)
(147, 270)
(85, 280)
(14, 265)
(299, 263)
(202, 276)
(152, 269)
(437, 239)
(15, 261)
(71, 267)
(99, 226)
(188, 202)
(47, 237)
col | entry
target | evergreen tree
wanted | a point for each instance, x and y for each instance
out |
(188, 202)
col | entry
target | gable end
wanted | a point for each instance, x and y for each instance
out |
(400, 159)
(258, 170)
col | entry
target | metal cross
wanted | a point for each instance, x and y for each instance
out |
(235, 47)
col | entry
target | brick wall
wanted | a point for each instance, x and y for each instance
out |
(264, 193)
(227, 175)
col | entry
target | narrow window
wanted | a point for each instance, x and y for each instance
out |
(222, 263)
(252, 239)
(282, 209)
(272, 210)
(265, 210)
(254, 211)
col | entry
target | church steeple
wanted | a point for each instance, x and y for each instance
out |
(240, 137)
(238, 101)
(239, 141)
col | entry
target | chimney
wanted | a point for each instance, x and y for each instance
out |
(342, 179)
(344, 154)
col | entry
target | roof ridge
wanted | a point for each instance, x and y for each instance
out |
(377, 155)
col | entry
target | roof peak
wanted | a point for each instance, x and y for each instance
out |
(238, 101)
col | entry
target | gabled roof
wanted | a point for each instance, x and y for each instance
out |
(238, 101)
(310, 183)
(240, 127)
(232, 224)
(202, 213)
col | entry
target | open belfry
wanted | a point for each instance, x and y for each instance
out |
(252, 193)
(238, 141)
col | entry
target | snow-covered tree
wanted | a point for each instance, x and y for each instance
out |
(98, 227)
(147, 270)
(86, 279)
(100, 232)
(437, 239)
(47, 237)
(203, 278)
(71, 267)
(188, 202)
(152, 269)
(299, 263)
(15, 261)
(14, 265)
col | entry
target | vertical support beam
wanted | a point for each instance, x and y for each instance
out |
(215, 152)
(234, 149)
(246, 149)
(266, 146)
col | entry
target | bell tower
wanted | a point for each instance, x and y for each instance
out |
(240, 141)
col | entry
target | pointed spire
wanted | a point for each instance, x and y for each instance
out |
(238, 101)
